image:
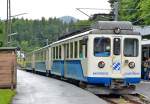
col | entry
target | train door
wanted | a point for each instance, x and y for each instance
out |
(116, 58)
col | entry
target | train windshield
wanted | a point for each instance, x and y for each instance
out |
(102, 47)
(131, 47)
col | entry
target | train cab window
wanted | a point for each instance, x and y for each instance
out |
(102, 47)
(131, 47)
(71, 50)
(116, 46)
(75, 49)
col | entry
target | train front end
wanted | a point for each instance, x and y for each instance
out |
(114, 55)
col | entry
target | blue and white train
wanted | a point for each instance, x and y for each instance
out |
(145, 56)
(107, 54)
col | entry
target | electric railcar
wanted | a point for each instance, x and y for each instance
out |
(108, 54)
(145, 55)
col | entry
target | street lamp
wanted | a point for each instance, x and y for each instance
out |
(8, 27)
(10, 35)
(8, 21)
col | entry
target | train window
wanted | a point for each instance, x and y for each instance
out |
(71, 50)
(36, 57)
(116, 47)
(131, 47)
(145, 53)
(45, 54)
(80, 49)
(39, 56)
(64, 51)
(59, 52)
(86, 51)
(68, 50)
(53, 52)
(42, 55)
(75, 49)
(102, 47)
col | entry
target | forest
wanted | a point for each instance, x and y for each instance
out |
(33, 34)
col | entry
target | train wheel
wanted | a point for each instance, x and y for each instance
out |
(47, 73)
(82, 84)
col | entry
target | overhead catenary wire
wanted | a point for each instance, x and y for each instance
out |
(83, 12)
(141, 18)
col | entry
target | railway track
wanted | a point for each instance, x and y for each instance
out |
(125, 99)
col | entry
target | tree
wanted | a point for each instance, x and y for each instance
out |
(136, 11)
(143, 13)
(128, 10)
(2, 34)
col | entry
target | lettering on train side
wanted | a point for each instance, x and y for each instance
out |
(100, 73)
(132, 73)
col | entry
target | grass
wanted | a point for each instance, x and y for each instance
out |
(6, 96)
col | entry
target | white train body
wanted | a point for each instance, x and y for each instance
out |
(107, 54)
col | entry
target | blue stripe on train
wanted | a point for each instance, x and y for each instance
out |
(98, 80)
(73, 69)
(29, 66)
(107, 81)
(40, 66)
(132, 80)
(58, 67)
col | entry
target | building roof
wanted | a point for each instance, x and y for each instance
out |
(8, 48)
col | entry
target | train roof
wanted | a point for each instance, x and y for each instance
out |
(105, 27)
(99, 27)
(145, 42)
(111, 25)
(71, 37)
(74, 33)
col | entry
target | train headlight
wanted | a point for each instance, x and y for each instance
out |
(101, 64)
(117, 30)
(131, 65)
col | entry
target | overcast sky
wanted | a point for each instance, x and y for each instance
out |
(53, 8)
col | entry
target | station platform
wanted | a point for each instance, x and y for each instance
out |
(36, 89)
(144, 88)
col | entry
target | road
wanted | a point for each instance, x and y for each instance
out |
(36, 89)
